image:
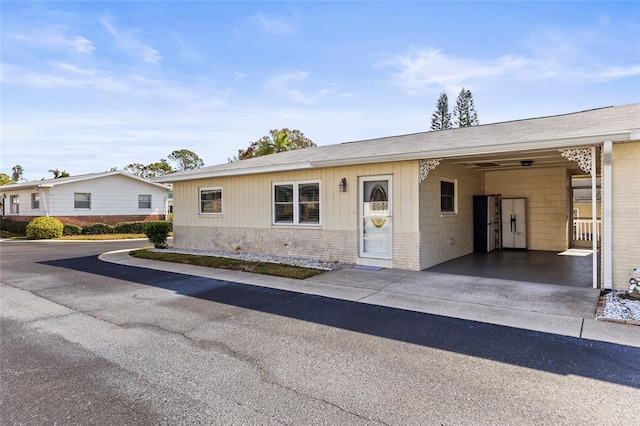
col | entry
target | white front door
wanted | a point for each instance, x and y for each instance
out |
(376, 214)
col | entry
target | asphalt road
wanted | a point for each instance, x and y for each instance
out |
(88, 342)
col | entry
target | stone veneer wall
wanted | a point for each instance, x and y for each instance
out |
(625, 212)
(295, 242)
(281, 241)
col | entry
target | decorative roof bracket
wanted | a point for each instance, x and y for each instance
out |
(426, 166)
(581, 155)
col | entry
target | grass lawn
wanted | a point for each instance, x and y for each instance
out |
(276, 269)
(6, 234)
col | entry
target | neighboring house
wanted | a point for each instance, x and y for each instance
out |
(109, 197)
(407, 201)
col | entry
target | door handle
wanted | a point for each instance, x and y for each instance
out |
(513, 223)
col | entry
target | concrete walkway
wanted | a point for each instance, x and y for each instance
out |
(563, 310)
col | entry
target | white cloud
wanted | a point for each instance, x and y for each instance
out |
(94, 83)
(127, 39)
(54, 36)
(239, 76)
(276, 25)
(425, 71)
(289, 85)
(565, 58)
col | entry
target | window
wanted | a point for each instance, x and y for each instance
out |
(448, 201)
(296, 203)
(35, 201)
(82, 200)
(211, 200)
(144, 201)
(14, 204)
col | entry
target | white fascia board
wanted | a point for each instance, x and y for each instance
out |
(234, 172)
(18, 187)
(476, 150)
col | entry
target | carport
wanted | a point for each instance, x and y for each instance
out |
(543, 176)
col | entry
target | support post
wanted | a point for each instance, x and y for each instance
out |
(607, 201)
(594, 218)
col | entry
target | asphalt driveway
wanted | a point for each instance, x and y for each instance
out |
(85, 341)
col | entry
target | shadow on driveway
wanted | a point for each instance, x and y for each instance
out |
(541, 351)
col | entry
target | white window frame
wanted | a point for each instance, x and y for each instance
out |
(296, 203)
(211, 188)
(75, 202)
(140, 207)
(455, 196)
(35, 201)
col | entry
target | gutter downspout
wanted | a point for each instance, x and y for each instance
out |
(44, 199)
(607, 220)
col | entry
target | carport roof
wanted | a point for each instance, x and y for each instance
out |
(618, 123)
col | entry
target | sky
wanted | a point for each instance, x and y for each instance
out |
(91, 86)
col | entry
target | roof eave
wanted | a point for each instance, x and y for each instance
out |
(236, 172)
(480, 150)
(557, 143)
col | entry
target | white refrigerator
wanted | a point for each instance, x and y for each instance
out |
(514, 223)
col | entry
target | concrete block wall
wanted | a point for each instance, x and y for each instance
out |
(447, 236)
(548, 203)
(625, 211)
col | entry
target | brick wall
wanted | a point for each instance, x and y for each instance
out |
(85, 220)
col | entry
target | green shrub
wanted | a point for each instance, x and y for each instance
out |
(157, 233)
(129, 227)
(69, 229)
(19, 228)
(42, 228)
(97, 229)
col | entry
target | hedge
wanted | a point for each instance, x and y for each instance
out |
(97, 229)
(44, 228)
(69, 229)
(128, 228)
(19, 228)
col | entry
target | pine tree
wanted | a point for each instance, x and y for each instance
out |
(464, 113)
(441, 118)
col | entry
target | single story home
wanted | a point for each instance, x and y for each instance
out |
(408, 201)
(108, 197)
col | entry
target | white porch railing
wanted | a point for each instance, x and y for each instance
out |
(583, 229)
